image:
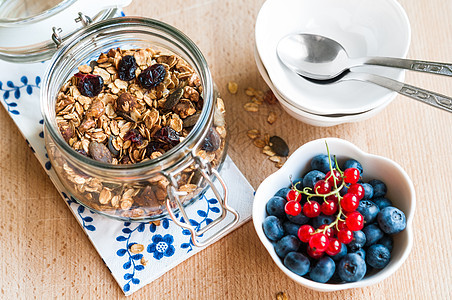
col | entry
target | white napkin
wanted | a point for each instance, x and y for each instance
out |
(166, 245)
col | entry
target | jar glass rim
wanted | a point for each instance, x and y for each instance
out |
(178, 39)
(38, 16)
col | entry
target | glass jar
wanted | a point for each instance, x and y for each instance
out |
(153, 189)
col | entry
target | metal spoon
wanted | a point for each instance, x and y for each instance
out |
(322, 57)
(319, 57)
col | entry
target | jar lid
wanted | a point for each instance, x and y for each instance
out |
(31, 30)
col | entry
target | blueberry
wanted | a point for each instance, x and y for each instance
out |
(291, 228)
(312, 177)
(298, 183)
(369, 210)
(273, 228)
(275, 206)
(361, 253)
(382, 202)
(282, 192)
(391, 220)
(368, 191)
(297, 263)
(387, 241)
(341, 253)
(378, 256)
(358, 241)
(298, 219)
(321, 163)
(379, 188)
(322, 219)
(287, 244)
(323, 270)
(373, 234)
(352, 268)
(351, 163)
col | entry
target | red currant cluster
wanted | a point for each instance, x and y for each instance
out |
(328, 237)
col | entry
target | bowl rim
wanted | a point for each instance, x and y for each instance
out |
(259, 209)
(299, 99)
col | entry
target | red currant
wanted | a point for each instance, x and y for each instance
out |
(329, 207)
(345, 236)
(334, 247)
(318, 242)
(333, 178)
(341, 225)
(314, 253)
(329, 231)
(351, 175)
(305, 232)
(322, 187)
(311, 209)
(293, 208)
(357, 190)
(349, 202)
(293, 195)
(354, 221)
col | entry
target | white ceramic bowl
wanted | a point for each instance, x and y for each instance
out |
(363, 27)
(309, 118)
(400, 192)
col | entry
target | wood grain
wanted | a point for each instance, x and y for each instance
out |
(46, 255)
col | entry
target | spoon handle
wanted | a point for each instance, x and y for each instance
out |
(425, 96)
(413, 65)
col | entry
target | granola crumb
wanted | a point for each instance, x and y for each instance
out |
(143, 261)
(271, 117)
(251, 107)
(136, 248)
(259, 143)
(253, 133)
(250, 91)
(281, 296)
(233, 87)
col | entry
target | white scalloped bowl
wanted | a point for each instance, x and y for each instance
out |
(400, 192)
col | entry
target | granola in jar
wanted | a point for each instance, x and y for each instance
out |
(129, 107)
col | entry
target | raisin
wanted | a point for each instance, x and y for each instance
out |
(127, 67)
(167, 135)
(134, 136)
(152, 76)
(89, 85)
(212, 141)
(153, 146)
(100, 152)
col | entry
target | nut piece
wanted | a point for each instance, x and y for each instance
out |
(233, 87)
(279, 146)
(252, 107)
(96, 109)
(271, 117)
(100, 152)
(253, 133)
(67, 131)
(136, 248)
(126, 103)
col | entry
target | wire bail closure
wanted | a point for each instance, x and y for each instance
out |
(173, 196)
(56, 35)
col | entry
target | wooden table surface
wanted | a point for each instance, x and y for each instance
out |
(45, 254)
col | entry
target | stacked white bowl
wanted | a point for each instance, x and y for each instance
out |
(363, 27)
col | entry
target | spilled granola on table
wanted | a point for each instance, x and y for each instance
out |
(130, 106)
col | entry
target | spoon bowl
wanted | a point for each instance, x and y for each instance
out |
(320, 57)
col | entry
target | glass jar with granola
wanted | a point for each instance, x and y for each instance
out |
(134, 126)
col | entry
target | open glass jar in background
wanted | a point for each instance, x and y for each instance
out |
(155, 188)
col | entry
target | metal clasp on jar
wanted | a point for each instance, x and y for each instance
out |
(56, 35)
(206, 171)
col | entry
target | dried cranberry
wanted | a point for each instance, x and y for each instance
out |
(153, 146)
(134, 136)
(127, 67)
(89, 85)
(152, 76)
(212, 141)
(167, 135)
